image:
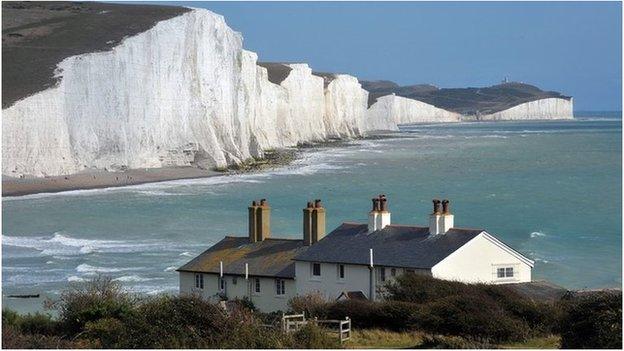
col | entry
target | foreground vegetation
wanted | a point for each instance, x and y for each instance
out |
(418, 312)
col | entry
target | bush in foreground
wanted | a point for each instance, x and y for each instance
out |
(592, 320)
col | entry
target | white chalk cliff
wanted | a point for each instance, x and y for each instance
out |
(551, 108)
(186, 93)
(392, 110)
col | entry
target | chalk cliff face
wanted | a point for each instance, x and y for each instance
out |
(181, 93)
(552, 108)
(186, 93)
(392, 110)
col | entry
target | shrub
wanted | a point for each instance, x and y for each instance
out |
(363, 313)
(37, 324)
(244, 330)
(471, 317)
(419, 288)
(88, 302)
(311, 336)
(12, 338)
(9, 317)
(107, 331)
(313, 304)
(399, 315)
(176, 322)
(592, 320)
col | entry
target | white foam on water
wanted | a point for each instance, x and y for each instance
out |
(61, 245)
(171, 268)
(537, 234)
(186, 253)
(75, 278)
(134, 278)
(88, 269)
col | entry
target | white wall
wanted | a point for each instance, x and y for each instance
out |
(266, 301)
(476, 262)
(328, 284)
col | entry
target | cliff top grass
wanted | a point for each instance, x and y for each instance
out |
(467, 101)
(37, 36)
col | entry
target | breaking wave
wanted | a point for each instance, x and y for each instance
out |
(86, 268)
(133, 279)
(62, 245)
(537, 234)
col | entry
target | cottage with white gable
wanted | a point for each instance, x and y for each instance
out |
(355, 259)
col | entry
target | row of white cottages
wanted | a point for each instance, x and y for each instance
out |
(354, 260)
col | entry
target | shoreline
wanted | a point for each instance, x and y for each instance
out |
(99, 179)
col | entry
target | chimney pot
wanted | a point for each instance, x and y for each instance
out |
(436, 206)
(317, 203)
(383, 206)
(263, 202)
(445, 206)
(375, 204)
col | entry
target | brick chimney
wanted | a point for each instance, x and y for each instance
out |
(379, 216)
(318, 221)
(313, 222)
(441, 220)
(259, 221)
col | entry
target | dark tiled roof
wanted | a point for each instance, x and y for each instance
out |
(271, 257)
(277, 71)
(352, 295)
(394, 246)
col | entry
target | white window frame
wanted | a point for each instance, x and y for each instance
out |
(504, 269)
(199, 281)
(257, 289)
(280, 287)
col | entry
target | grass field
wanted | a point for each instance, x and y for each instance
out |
(382, 339)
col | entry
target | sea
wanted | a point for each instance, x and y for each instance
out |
(552, 190)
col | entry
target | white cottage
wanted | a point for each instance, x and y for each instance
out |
(353, 260)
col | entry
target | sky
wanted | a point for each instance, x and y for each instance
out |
(571, 47)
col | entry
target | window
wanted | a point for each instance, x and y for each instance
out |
(234, 280)
(393, 272)
(341, 271)
(410, 271)
(280, 286)
(257, 285)
(316, 269)
(381, 274)
(505, 272)
(509, 273)
(222, 284)
(199, 280)
(500, 273)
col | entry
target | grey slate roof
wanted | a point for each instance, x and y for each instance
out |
(394, 246)
(270, 258)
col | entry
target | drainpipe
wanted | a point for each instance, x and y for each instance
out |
(371, 293)
(247, 280)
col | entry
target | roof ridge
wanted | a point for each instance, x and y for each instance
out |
(466, 228)
(289, 239)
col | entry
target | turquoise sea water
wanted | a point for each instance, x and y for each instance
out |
(552, 190)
